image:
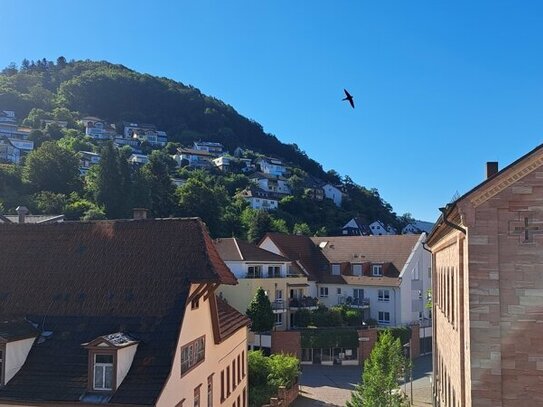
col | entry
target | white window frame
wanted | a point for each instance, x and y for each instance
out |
(357, 269)
(383, 295)
(323, 290)
(381, 317)
(377, 270)
(336, 269)
(104, 367)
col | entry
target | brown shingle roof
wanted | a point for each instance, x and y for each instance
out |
(233, 249)
(390, 249)
(230, 320)
(302, 250)
(82, 280)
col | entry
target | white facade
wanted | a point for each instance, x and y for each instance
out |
(140, 159)
(213, 148)
(333, 193)
(377, 228)
(278, 185)
(125, 357)
(99, 130)
(272, 166)
(262, 203)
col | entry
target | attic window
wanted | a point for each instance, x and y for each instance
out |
(103, 372)
(377, 270)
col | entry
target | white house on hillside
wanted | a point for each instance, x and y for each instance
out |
(333, 193)
(260, 199)
(272, 166)
(98, 128)
(214, 148)
(194, 158)
(271, 183)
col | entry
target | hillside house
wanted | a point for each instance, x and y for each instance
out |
(272, 166)
(98, 129)
(285, 284)
(271, 183)
(118, 313)
(488, 290)
(215, 149)
(334, 193)
(86, 160)
(225, 162)
(193, 158)
(417, 227)
(138, 159)
(9, 152)
(145, 132)
(356, 227)
(7, 116)
(260, 199)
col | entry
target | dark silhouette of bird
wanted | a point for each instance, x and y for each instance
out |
(349, 98)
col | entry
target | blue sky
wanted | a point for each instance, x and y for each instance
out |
(440, 87)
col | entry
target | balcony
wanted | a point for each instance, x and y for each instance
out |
(303, 302)
(360, 303)
(279, 306)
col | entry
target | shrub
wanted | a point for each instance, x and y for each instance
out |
(302, 318)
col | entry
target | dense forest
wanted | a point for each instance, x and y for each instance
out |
(48, 181)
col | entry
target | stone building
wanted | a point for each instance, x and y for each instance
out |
(488, 290)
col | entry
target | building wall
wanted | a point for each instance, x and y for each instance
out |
(240, 296)
(196, 323)
(333, 193)
(448, 321)
(16, 353)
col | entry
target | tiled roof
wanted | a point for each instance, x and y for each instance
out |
(389, 249)
(302, 250)
(16, 330)
(40, 219)
(233, 249)
(83, 280)
(230, 320)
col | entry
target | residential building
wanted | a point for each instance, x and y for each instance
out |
(145, 132)
(25, 146)
(387, 275)
(356, 227)
(98, 129)
(86, 160)
(418, 226)
(313, 188)
(7, 116)
(193, 158)
(215, 149)
(24, 216)
(9, 152)
(488, 290)
(271, 183)
(260, 199)
(118, 313)
(378, 228)
(285, 284)
(225, 162)
(272, 166)
(333, 193)
(138, 159)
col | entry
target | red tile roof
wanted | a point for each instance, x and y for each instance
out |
(230, 320)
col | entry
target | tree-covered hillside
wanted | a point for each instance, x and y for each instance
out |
(116, 93)
(49, 180)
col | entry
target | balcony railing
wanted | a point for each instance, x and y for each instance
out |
(354, 302)
(278, 305)
(303, 302)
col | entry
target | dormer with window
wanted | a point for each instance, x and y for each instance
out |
(16, 340)
(377, 270)
(110, 358)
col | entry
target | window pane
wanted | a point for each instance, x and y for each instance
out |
(104, 358)
(108, 384)
(98, 377)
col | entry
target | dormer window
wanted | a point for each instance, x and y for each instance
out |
(336, 269)
(110, 358)
(377, 270)
(103, 372)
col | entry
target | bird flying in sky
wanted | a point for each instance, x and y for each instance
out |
(349, 98)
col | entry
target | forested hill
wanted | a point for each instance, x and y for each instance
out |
(53, 179)
(116, 93)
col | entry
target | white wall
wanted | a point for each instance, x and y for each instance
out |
(16, 353)
(125, 356)
(331, 192)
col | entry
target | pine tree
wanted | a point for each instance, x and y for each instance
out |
(380, 385)
(261, 313)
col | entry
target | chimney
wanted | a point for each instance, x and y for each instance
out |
(22, 211)
(140, 213)
(491, 168)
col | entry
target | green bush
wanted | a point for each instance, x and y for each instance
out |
(302, 318)
(259, 368)
(284, 370)
(352, 317)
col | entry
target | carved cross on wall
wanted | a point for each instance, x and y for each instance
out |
(524, 229)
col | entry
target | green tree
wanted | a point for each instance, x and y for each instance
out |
(257, 222)
(38, 137)
(52, 168)
(301, 229)
(261, 313)
(380, 385)
(161, 190)
(205, 200)
(50, 203)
